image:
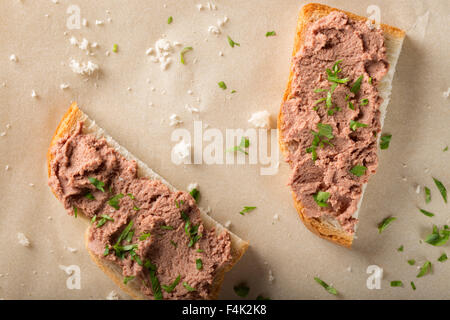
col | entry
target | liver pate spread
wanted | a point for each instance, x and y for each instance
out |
(155, 235)
(331, 119)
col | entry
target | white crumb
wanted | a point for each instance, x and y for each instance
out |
(13, 58)
(31, 184)
(192, 186)
(2, 134)
(418, 189)
(227, 224)
(83, 68)
(23, 240)
(73, 250)
(174, 120)
(190, 108)
(199, 6)
(260, 119)
(446, 94)
(6, 167)
(112, 296)
(63, 86)
(214, 30)
(33, 94)
(99, 22)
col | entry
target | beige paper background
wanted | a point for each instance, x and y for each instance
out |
(418, 117)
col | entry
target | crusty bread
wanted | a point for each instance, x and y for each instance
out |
(68, 125)
(329, 228)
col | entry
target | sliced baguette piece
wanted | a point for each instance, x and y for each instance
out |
(326, 227)
(67, 126)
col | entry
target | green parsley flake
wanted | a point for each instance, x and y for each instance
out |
(321, 198)
(411, 262)
(97, 183)
(445, 149)
(115, 47)
(127, 279)
(413, 286)
(438, 238)
(172, 286)
(114, 201)
(321, 137)
(441, 188)
(355, 125)
(400, 249)
(188, 287)
(427, 195)
(75, 212)
(156, 287)
(385, 140)
(199, 264)
(144, 236)
(241, 290)
(426, 268)
(222, 85)
(174, 243)
(351, 106)
(246, 210)
(358, 170)
(106, 252)
(396, 283)
(356, 86)
(186, 49)
(327, 287)
(443, 257)
(103, 220)
(427, 213)
(89, 196)
(333, 74)
(244, 144)
(232, 43)
(364, 102)
(166, 227)
(270, 33)
(169, 20)
(383, 225)
(195, 194)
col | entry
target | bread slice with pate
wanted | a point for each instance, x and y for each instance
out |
(332, 113)
(74, 120)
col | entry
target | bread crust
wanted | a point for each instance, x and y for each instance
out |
(308, 14)
(67, 126)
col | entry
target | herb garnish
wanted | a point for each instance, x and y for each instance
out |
(427, 195)
(188, 287)
(355, 125)
(94, 218)
(144, 236)
(114, 201)
(241, 290)
(383, 225)
(174, 243)
(222, 85)
(75, 211)
(270, 33)
(186, 49)
(89, 196)
(246, 209)
(115, 47)
(321, 198)
(172, 286)
(356, 86)
(438, 238)
(400, 249)
(195, 194)
(103, 220)
(351, 106)
(169, 20)
(106, 252)
(427, 213)
(131, 196)
(358, 170)
(166, 227)
(333, 74)
(244, 144)
(411, 262)
(445, 149)
(396, 283)
(443, 257)
(327, 287)
(156, 287)
(126, 279)
(322, 137)
(97, 183)
(413, 286)
(426, 268)
(199, 264)
(232, 43)
(441, 188)
(364, 102)
(384, 141)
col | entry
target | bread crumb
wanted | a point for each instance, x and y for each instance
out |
(6, 167)
(112, 296)
(23, 240)
(190, 108)
(83, 68)
(199, 6)
(418, 189)
(214, 30)
(446, 94)
(192, 186)
(227, 224)
(99, 22)
(174, 120)
(33, 94)
(31, 184)
(73, 250)
(260, 119)
(13, 58)
(63, 86)
(2, 134)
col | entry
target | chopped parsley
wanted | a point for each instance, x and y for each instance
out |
(333, 74)
(127, 279)
(358, 170)
(169, 20)
(186, 49)
(261, 297)
(356, 86)
(351, 106)
(174, 243)
(443, 257)
(172, 286)
(103, 220)
(370, 80)
(426, 268)
(144, 236)
(246, 209)
(89, 196)
(385, 140)
(166, 227)
(75, 212)
(271, 33)
(413, 286)
(106, 252)
(411, 262)
(438, 238)
(188, 287)
(400, 249)
(327, 287)
(427, 195)
(427, 213)
(156, 287)
(244, 144)
(241, 290)
(321, 137)
(114, 201)
(131, 196)
(97, 183)
(94, 218)
(441, 189)
(199, 264)
(195, 194)
(232, 43)
(222, 85)
(321, 198)
(355, 125)
(445, 149)
(136, 208)
(383, 225)
(396, 283)
(191, 230)
(364, 102)
(115, 47)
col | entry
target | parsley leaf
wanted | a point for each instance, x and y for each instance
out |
(356, 86)
(172, 286)
(427, 213)
(427, 195)
(385, 140)
(103, 220)
(241, 290)
(169, 20)
(222, 85)
(114, 201)
(411, 262)
(144, 236)
(188, 287)
(199, 264)
(127, 279)
(247, 209)
(321, 198)
(358, 170)
(355, 125)
(195, 194)
(443, 257)
(97, 183)
(396, 283)
(156, 287)
(426, 268)
(438, 238)
(441, 188)
(244, 144)
(383, 225)
(413, 286)
(186, 49)
(270, 33)
(232, 43)
(327, 287)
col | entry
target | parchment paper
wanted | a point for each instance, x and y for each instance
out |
(132, 99)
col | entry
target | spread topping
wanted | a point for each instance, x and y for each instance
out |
(155, 235)
(332, 118)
